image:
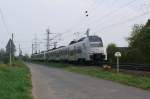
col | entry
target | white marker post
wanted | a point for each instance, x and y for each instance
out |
(117, 55)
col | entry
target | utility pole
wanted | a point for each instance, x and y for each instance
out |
(20, 52)
(35, 44)
(87, 32)
(10, 61)
(32, 48)
(48, 39)
(19, 49)
(51, 39)
(11, 49)
(12, 37)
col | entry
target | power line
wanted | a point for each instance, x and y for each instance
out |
(51, 40)
(48, 39)
(92, 10)
(113, 11)
(102, 2)
(32, 48)
(123, 22)
(3, 20)
(20, 51)
(74, 26)
(35, 45)
(118, 18)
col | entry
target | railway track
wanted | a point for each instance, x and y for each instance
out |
(133, 67)
(136, 67)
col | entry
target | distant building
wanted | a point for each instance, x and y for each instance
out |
(13, 49)
(123, 49)
(148, 23)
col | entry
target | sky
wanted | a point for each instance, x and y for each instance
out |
(112, 20)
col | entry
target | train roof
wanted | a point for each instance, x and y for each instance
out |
(72, 42)
(81, 39)
(91, 38)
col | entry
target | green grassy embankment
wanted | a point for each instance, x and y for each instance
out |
(15, 82)
(127, 79)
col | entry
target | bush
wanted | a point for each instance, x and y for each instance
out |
(5, 59)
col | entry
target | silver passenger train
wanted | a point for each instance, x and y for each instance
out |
(86, 49)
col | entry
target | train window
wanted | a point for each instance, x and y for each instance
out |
(96, 45)
(79, 50)
(95, 39)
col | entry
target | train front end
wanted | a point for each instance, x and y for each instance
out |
(97, 52)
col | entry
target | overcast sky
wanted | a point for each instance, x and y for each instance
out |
(110, 19)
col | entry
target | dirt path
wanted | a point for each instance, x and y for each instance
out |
(51, 83)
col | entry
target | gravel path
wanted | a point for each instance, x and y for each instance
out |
(51, 83)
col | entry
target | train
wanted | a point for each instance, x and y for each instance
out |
(88, 49)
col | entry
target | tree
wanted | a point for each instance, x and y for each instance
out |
(139, 43)
(3, 56)
(2, 52)
(25, 57)
(111, 49)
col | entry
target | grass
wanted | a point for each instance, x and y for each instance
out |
(127, 79)
(15, 81)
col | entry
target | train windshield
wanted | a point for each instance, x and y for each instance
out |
(96, 39)
(96, 45)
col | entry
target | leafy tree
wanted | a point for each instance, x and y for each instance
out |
(139, 43)
(3, 56)
(111, 49)
(2, 53)
(25, 57)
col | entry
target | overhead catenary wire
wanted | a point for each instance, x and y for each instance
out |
(92, 12)
(109, 13)
(118, 17)
(3, 20)
(112, 12)
(79, 20)
(123, 22)
(94, 7)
